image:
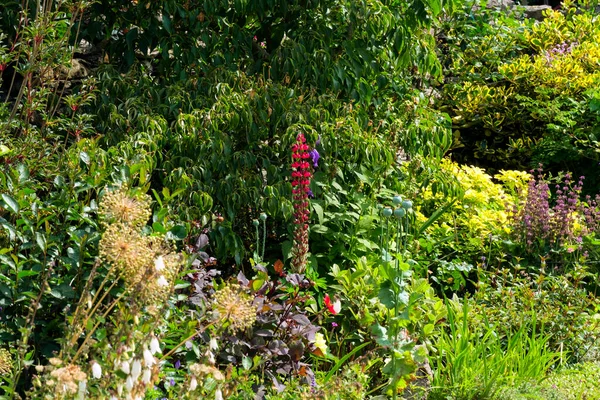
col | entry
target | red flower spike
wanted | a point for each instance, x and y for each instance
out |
(301, 175)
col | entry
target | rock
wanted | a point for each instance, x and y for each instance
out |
(535, 12)
(84, 47)
(502, 4)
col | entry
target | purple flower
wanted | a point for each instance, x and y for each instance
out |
(172, 382)
(334, 324)
(314, 154)
(177, 364)
(310, 194)
(318, 142)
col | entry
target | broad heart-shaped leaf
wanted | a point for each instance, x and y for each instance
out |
(11, 203)
(381, 336)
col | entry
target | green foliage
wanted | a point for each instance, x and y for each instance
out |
(228, 150)
(473, 364)
(49, 238)
(561, 304)
(356, 48)
(521, 92)
(400, 311)
(572, 383)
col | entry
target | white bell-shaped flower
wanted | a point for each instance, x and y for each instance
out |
(96, 370)
(154, 346)
(136, 369)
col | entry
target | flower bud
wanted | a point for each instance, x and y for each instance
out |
(193, 384)
(399, 212)
(387, 212)
(407, 204)
(397, 200)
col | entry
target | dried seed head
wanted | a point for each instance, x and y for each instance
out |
(5, 362)
(159, 279)
(55, 361)
(202, 370)
(235, 306)
(68, 378)
(123, 206)
(127, 250)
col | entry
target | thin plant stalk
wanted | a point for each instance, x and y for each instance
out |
(264, 239)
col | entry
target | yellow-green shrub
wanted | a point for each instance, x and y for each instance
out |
(523, 92)
(482, 210)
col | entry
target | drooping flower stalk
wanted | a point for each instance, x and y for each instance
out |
(301, 175)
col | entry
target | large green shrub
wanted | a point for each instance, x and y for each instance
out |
(524, 92)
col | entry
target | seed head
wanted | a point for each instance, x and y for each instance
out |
(235, 306)
(68, 378)
(159, 278)
(126, 250)
(5, 362)
(121, 206)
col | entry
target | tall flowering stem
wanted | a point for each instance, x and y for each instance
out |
(301, 175)
(540, 224)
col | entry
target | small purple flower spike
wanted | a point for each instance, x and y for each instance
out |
(314, 154)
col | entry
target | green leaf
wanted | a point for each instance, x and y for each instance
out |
(380, 333)
(63, 291)
(23, 173)
(26, 273)
(246, 362)
(319, 210)
(434, 217)
(178, 232)
(386, 297)
(181, 284)
(158, 227)
(427, 329)
(11, 203)
(167, 24)
(40, 238)
(84, 157)
(342, 360)
(4, 150)
(286, 249)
